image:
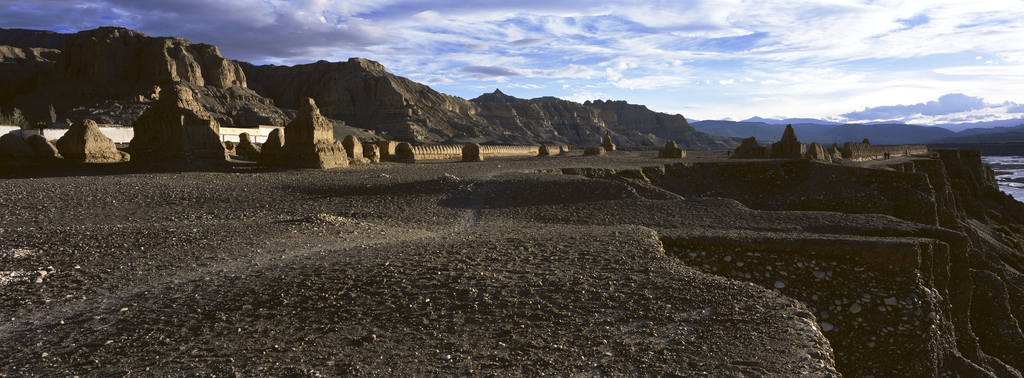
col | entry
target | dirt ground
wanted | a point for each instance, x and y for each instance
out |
(426, 269)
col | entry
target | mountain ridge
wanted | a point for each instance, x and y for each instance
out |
(112, 74)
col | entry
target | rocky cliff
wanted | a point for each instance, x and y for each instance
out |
(32, 38)
(940, 294)
(361, 93)
(552, 120)
(113, 75)
(20, 68)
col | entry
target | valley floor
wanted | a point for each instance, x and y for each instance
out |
(499, 268)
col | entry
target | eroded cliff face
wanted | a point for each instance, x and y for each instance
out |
(940, 295)
(556, 121)
(362, 94)
(20, 68)
(114, 74)
(111, 54)
(640, 120)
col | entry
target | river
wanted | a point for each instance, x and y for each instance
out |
(1009, 172)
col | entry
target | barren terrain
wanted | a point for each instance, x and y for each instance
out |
(499, 268)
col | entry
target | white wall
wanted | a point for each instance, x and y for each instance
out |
(125, 134)
(117, 134)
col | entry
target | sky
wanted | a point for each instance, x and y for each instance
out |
(922, 62)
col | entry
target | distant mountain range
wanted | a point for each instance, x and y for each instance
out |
(962, 126)
(827, 133)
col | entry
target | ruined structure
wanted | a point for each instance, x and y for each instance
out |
(246, 148)
(42, 147)
(789, 146)
(607, 142)
(750, 149)
(387, 148)
(309, 141)
(472, 152)
(273, 145)
(403, 153)
(85, 142)
(12, 146)
(671, 151)
(177, 127)
(865, 151)
(354, 149)
(594, 151)
(371, 152)
(817, 153)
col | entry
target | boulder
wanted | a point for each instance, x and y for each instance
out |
(545, 150)
(246, 148)
(789, 146)
(309, 141)
(42, 147)
(177, 127)
(472, 152)
(85, 142)
(671, 151)
(11, 145)
(594, 151)
(354, 149)
(273, 145)
(371, 152)
(749, 148)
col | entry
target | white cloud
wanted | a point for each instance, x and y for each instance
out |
(814, 57)
(652, 82)
(571, 70)
(612, 75)
(526, 42)
(527, 86)
(429, 17)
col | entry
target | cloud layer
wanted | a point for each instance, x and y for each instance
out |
(703, 58)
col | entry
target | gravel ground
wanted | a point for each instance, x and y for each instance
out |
(430, 269)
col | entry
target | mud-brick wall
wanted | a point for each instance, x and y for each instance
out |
(864, 151)
(429, 152)
(509, 150)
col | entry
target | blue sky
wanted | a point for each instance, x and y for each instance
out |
(914, 61)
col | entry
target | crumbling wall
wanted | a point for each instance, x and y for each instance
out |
(864, 151)
(437, 151)
(488, 150)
